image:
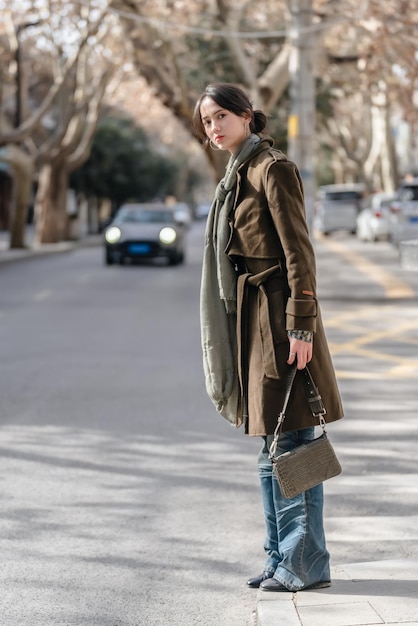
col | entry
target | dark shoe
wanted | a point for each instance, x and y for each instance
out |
(273, 585)
(254, 583)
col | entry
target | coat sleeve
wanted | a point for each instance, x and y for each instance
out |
(284, 192)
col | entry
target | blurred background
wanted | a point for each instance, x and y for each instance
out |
(97, 96)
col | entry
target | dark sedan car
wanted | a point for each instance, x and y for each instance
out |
(145, 231)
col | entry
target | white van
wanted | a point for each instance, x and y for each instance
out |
(403, 217)
(337, 207)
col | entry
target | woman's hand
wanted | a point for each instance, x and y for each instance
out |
(302, 350)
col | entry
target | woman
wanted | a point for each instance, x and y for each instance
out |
(259, 315)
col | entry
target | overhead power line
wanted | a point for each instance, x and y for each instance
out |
(196, 30)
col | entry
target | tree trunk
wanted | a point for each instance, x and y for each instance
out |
(22, 168)
(50, 206)
(390, 174)
(19, 214)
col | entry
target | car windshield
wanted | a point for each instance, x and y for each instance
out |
(342, 195)
(409, 192)
(144, 216)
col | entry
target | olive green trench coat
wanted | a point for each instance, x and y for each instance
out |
(276, 288)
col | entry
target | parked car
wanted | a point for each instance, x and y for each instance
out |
(145, 231)
(182, 213)
(403, 216)
(337, 207)
(373, 220)
(202, 210)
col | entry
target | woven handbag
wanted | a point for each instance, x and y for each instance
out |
(311, 463)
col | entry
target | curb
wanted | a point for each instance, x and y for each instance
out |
(276, 611)
(7, 255)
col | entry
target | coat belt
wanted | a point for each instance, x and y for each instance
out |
(245, 281)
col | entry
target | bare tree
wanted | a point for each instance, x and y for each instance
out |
(359, 44)
(371, 69)
(367, 67)
(68, 81)
(169, 56)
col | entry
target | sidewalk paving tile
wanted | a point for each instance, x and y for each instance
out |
(277, 612)
(344, 614)
(362, 594)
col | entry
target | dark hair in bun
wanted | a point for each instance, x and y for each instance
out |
(232, 98)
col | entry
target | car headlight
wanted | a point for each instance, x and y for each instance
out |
(113, 234)
(167, 235)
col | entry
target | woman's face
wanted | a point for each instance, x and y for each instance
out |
(224, 128)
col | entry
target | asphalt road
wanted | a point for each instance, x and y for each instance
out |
(125, 499)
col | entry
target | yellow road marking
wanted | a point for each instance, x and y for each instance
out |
(359, 322)
(360, 375)
(393, 286)
(382, 356)
(401, 373)
(373, 336)
(361, 347)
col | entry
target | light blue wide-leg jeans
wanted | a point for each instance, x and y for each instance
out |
(295, 539)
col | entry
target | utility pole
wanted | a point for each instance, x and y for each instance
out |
(301, 125)
(21, 86)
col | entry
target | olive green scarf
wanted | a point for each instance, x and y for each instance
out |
(218, 293)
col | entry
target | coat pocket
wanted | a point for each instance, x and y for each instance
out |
(277, 315)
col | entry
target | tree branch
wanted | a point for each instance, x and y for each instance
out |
(28, 125)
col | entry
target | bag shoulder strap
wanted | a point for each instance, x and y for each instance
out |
(312, 393)
(314, 397)
(289, 385)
